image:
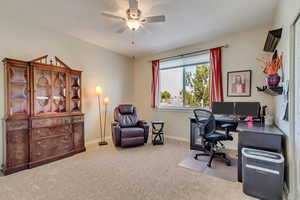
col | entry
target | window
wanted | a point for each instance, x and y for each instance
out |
(184, 82)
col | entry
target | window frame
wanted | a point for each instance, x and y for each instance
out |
(179, 108)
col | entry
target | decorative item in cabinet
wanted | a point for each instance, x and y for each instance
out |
(59, 92)
(43, 91)
(75, 91)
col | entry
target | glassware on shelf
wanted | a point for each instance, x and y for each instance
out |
(75, 81)
(18, 106)
(75, 93)
(18, 75)
(18, 92)
(76, 106)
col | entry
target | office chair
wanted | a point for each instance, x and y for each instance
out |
(210, 138)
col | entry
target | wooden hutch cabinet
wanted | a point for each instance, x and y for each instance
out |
(43, 120)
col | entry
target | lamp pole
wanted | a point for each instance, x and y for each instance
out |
(100, 118)
(99, 93)
(105, 102)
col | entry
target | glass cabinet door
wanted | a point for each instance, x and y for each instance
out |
(59, 101)
(18, 95)
(75, 93)
(43, 91)
(50, 92)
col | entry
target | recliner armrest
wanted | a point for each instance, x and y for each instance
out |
(143, 124)
(116, 133)
(115, 124)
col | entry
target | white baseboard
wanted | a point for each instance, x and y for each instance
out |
(181, 139)
(178, 138)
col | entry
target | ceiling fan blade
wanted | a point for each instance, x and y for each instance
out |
(133, 4)
(154, 19)
(106, 14)
(146, 30)
(122, 29)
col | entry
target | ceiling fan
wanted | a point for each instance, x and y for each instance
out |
(134, 20)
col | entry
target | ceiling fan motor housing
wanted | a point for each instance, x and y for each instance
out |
(133, 13)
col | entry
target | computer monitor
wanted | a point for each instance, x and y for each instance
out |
(223, 108)
(247, 109)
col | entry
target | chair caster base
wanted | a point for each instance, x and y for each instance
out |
(228, 163)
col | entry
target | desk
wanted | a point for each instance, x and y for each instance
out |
(258, 136)
(251, 134)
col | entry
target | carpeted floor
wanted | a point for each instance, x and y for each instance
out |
(218, 169)
(106, 173)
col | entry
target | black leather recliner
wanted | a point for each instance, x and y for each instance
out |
(127, 130)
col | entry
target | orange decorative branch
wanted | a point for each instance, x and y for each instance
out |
(272, 67)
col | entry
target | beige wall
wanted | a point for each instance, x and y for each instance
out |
(100, 66)
(243, 50)
(286, 14)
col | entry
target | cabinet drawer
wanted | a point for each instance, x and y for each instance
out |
(51, 147)
(39, 133)
(16, 125)
(40, 123)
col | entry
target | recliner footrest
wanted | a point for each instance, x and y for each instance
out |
(133, 141)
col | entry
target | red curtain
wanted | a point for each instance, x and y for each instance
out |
(155, 81)
(216, 87)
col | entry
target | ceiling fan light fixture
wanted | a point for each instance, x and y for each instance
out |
(133, 24)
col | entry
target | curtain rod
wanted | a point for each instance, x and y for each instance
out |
(194, 52)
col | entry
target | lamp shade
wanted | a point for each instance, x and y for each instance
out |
(98, 91)
(106, 100)
(133, 24)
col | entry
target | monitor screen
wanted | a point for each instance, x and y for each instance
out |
(247, 108)
(223, 108)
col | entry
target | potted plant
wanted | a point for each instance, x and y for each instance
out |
(271, 69)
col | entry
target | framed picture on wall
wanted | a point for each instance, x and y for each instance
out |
(239, 83)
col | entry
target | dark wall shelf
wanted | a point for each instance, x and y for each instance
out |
(273, 91)
(272, 40)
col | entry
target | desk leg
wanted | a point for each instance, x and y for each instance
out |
(240, 166)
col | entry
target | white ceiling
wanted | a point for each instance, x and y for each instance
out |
(188, 21)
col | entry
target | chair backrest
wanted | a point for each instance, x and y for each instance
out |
(126, 115)
(205, 120)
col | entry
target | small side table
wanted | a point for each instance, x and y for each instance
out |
(157, 132)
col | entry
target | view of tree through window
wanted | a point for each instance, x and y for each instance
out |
(185, 85)
(197, 86)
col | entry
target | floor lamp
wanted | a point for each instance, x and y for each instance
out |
(99, 94)
(105, 102)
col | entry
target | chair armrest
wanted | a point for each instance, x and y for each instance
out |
(227, 128)
(115, 124)
(116, 133)
(143, 124)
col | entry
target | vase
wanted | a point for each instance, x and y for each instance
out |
(273, 81)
